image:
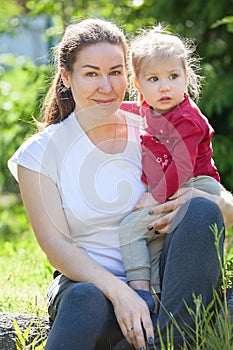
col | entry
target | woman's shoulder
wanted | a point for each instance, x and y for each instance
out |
(39, 150)
(43, 137)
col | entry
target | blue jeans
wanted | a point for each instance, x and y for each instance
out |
(140, 248)
(84, 319)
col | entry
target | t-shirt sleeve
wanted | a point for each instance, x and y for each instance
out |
(35, 154)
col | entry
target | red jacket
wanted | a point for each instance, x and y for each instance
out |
(175, 147)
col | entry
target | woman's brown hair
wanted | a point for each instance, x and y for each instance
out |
(59, 102)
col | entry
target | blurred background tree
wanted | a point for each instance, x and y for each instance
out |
(23, 83)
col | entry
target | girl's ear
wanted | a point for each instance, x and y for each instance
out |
(137, 86)
(65, 77)
(186, 80)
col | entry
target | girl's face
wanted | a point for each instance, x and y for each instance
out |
(162, 83)
(98, 77)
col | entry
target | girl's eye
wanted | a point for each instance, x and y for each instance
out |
(153, 79)
(173, 76)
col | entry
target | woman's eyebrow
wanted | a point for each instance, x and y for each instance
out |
(117, 66)
(90, 66)
(97, 68)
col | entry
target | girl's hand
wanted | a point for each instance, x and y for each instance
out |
(133, 315)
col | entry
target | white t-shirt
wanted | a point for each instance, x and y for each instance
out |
(97, 189)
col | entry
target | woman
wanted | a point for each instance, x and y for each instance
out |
(79, 177)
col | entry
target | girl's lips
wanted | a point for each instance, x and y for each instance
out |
(164, 99)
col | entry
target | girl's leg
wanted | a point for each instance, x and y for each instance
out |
(84, 320)
(134, 238)
(189, 265)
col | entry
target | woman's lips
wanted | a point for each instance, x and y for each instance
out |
(105, 102)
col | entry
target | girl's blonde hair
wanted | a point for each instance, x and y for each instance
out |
(159, 43)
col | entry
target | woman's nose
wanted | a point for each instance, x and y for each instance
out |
(105, 85)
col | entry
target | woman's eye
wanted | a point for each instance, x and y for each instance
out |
(115, 73)
(173, 76)
(153, 79)
(91, 74)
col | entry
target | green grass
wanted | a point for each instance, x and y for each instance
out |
(26, 275)
(24, 269)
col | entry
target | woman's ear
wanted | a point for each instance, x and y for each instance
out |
(65, 77)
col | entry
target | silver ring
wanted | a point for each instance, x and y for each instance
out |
(129, 329)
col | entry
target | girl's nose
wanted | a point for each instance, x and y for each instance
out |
(164, 85)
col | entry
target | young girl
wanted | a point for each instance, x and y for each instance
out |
(176, 146)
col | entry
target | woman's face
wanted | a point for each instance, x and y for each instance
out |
(98, 77)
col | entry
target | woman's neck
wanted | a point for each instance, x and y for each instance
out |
(108, 134)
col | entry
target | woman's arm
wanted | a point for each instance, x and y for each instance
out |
(43, 205)
(170, 208)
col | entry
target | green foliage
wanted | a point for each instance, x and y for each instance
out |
(225, 21)
(22, 339)
(211, 26)
(22, 84)
(9, 12)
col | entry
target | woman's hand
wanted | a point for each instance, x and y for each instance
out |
(168, 210)
(133, 315)
(164, 212)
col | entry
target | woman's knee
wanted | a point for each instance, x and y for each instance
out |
(206, 213)
(81, 294)
(196, 223)
(205, 207)
(199, 212)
